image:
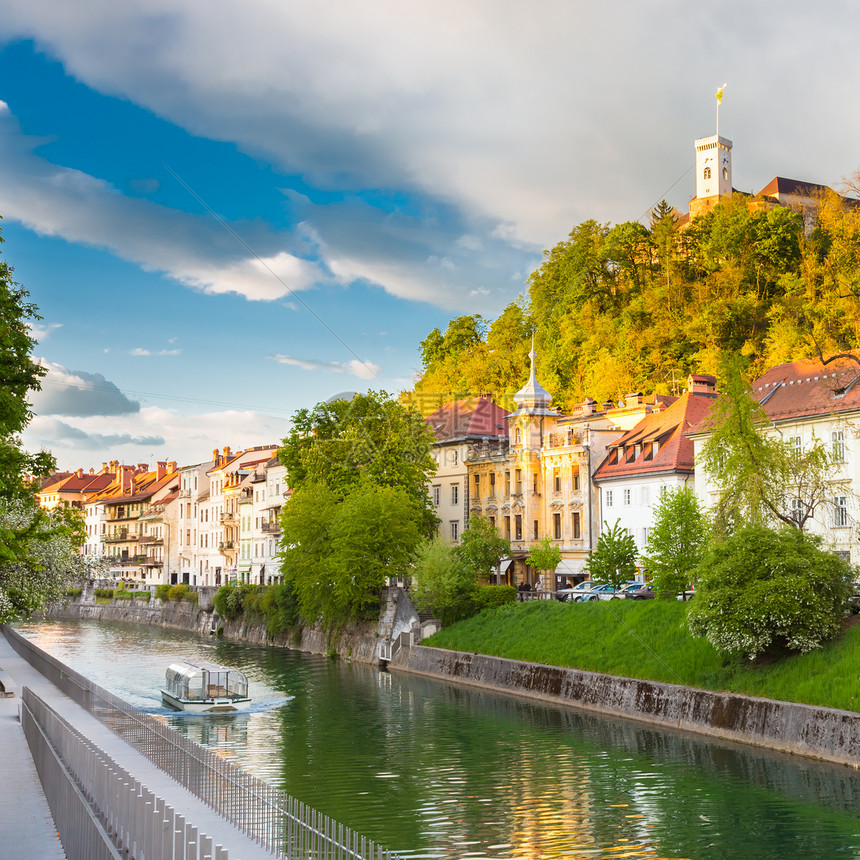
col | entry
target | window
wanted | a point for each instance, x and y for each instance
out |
(556, 526)
(508, 528)
(477, 486)
(609, 498)
(534, 530)
(575, 471)
(644, 536)
(518, 436)
(437, 491)
(518, 525)
(507, 483)
(519, 481)
(492, 485)
(794, 444)
(644, 496)
(556, 480)
(840, 511)
(455, 530)
(725, 173)
(707, 173)
(838, 440)
(577, 532)
(797, 510)
(455, 493)
(627, 496)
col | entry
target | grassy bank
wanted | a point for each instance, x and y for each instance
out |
(649, 640)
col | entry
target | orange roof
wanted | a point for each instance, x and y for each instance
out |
(667, 428)
(474, 416)
(808, 388)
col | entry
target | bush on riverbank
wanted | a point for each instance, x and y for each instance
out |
(276, 604)
(650, 640)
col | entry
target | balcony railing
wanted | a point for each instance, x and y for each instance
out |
(118, 538)
(225, 546)
(271, 528)
(228, 517)
(151, 539)
(154, 561)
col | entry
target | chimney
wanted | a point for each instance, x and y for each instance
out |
(80, 473)
(607, 405)
(701, 382)
(216, 458)
(104, 469)
(227, 452)
(127, 479)
(161, 469)
(633, 399)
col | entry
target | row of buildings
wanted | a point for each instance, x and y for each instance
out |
(204, 524)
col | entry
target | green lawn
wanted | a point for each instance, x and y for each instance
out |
(649, 640)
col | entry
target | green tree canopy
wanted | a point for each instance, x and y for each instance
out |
(369, 437)
(676, 541)
(481, 547)
(614, 558)
(762, 591)
(544, 555)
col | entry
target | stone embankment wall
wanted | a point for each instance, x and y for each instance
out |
(822, 733)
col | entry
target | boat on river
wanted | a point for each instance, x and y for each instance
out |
(205, 688)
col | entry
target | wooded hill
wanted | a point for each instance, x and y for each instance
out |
(617, 309)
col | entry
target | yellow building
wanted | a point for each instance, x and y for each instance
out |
(537, 482)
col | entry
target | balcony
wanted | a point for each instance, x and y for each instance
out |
(118, 537)
(226, 546)
(153, 561)
(271, 528)
(150, 539)
(229, 517)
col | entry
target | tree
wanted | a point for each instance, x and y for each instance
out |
(761, 479)
(443, 583)
(482, 547)
(38, 558)
(676, 540)
(762, 591)
(544, 556)
(369, 437)
(614, 558)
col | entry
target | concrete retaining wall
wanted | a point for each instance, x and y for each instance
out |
(822, 733)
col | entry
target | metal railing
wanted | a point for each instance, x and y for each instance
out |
(101, 811)
(268, 815)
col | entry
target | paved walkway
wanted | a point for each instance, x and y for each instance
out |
(27, 829)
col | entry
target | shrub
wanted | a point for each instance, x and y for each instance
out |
(229, 600)
(122, 594)
(105, 593)
(490, 596)
(74, 592)
(145, 596)
(762, 590)
(177, 592)
(281, 608)
(162, 592)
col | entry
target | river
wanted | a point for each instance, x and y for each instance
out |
(433, 770)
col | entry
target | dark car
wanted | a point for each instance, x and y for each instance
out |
(644, 593)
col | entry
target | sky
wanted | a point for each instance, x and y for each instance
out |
(226, 212)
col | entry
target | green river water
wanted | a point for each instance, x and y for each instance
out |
(429, 769)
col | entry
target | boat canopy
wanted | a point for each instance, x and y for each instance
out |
(205, 681)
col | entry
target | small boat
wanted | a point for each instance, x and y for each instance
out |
(205, 688)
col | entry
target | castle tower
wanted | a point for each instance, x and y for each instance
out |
(713, 173)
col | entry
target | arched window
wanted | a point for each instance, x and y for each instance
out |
(725, 173)
(707, 173)
(518, 436)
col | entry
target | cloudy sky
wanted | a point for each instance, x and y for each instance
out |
(229, 211)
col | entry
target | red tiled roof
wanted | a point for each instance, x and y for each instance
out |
(474, 416)
(668, 428)
(806, 388)
(781, 185)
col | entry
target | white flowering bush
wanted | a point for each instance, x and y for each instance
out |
(39, 560)
(762, 591)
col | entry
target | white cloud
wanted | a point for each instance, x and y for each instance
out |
(141, 351)
(361, 369)
(42, 331)
(194, 250)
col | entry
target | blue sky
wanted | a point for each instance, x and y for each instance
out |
(226, 212)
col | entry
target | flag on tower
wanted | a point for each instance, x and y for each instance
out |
(720, 94)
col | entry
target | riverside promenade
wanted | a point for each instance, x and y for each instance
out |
(27, 830)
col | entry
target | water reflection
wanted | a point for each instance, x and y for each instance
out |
(434, 770)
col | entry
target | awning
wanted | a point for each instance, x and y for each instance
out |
(569, 567)
(504, 564)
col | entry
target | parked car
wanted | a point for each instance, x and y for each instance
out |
(644, 592)
(569, 595)
(854, 603)
(599, 592)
